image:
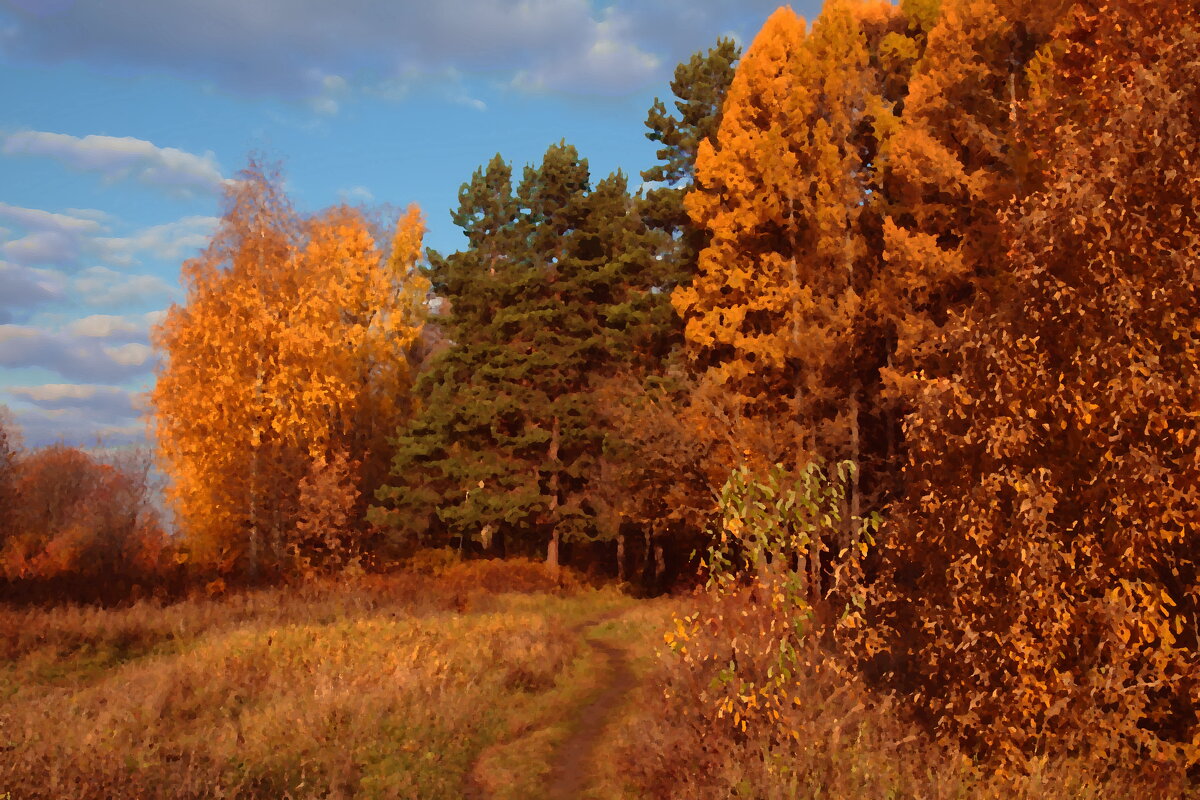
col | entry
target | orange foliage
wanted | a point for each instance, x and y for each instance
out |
(775, 285)
(74, 517)
(325, 525)
(293, 346)
(1042, 580)
(783, 317)
(951, 167)
(981, 223)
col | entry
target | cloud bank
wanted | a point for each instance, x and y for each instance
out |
(102, 404)
(23, 288)
(310, 49)
(122, 157)
(64, 240)
(91, 350)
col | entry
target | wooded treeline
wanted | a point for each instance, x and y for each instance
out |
(955, 244)
(494, 400)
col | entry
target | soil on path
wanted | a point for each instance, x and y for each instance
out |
(572, 763)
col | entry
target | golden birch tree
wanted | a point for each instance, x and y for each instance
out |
(292, 347)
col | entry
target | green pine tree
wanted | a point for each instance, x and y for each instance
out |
(699, 86)
(548, 297)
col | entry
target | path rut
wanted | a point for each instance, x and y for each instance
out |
(573, 759)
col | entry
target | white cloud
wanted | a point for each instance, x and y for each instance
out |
(122, 157)
(43, 247)
(79, 222)
(23, 287)
(64, 240)
(48, 238)
(73, 356)
(356, 194)
(609, 59)
(172, 241)
(108, 403)
(464, 99)
(129, 355)
(95, 352)
(105, 326)
(101, 287)
(331, 90)
(93, 214)
(53, 393)
(81, 426)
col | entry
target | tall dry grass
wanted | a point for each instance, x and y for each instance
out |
(386, 686)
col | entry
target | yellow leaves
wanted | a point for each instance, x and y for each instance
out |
(776, 295)
(407, 242)
(292, 341)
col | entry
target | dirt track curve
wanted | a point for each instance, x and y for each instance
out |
(573, 760)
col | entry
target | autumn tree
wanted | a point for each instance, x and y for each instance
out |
(347, 342)
(950, 167)
(85, 522)
(777, 315)
(213, 414)
(292, 345)
(670, 443)
(853, 196)
(1041, 582)
(329, 509)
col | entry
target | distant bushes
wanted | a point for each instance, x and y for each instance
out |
(82, 527)
(78, 526)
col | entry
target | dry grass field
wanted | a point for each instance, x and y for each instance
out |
(398, 686)
(486, 680)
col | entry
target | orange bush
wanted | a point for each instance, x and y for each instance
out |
(78, 519)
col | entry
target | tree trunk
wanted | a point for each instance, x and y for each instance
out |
(552, 554)
(552, 551)
(621, 556)
(647, 553)
(253, 546)
(891, 432)
(855, 456)
(276, 535)
(254, 549)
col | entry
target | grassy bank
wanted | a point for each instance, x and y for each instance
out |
(392, 687)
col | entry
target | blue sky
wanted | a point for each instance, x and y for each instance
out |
(119, 120)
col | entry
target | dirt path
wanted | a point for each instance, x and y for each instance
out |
(565, 768)
(573, 759)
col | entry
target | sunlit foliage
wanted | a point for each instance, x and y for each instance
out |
(291, 347)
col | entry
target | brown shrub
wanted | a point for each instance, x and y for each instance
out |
(83, 527)
(837, 736)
